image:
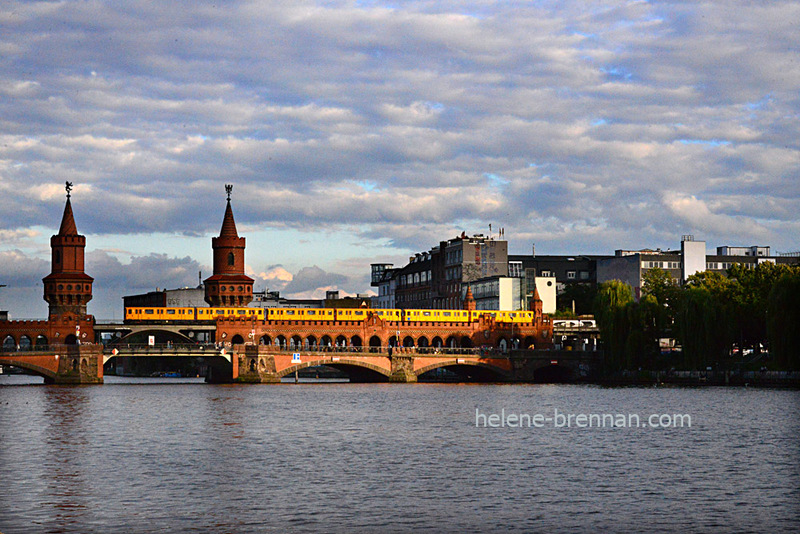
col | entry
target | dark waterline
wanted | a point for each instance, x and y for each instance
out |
(185, 457)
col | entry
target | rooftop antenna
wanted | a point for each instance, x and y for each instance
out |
(69, 188)
(228, 189)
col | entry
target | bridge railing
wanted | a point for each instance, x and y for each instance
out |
(52, 347)
(211, 348)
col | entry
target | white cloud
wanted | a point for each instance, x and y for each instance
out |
(383, 121)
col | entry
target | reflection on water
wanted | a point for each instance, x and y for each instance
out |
(136, 455)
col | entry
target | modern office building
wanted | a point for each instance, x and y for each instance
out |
(630, 266)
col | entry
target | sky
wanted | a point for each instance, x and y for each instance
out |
(357, 132)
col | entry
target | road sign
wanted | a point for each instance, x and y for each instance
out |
(296, 357)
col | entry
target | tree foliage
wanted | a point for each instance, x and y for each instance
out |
(783, 319)
(713, 317)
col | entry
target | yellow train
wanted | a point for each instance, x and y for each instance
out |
(166, 315)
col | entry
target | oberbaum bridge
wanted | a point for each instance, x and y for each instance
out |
(66, 348)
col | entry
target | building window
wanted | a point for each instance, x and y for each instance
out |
(584, 275)
(570, 275)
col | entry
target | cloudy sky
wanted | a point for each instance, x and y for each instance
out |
(363, 131)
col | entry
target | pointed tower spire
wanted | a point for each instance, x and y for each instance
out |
(469, 300)
(228, 286)
(68, 221)
(536, 304)
(228, 224)
(67, 288)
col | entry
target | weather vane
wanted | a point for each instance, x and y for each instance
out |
(228, 189)
(69, 188)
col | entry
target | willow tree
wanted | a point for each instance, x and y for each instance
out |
(783, 319)
(611, 313)
(704, 318)
(752, 290)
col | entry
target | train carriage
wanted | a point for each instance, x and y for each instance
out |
(163, 314)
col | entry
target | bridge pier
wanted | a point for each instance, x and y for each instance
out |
(79, 364)
(402, 369)
(252, 364)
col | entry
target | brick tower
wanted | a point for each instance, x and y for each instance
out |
(67, 288)
(228, 286)
(469, 300)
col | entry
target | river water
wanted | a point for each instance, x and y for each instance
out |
(171, 455)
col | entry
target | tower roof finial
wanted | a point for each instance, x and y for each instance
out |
(69, 188)
(228, 189)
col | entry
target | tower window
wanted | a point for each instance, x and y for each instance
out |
(231, 259)
(57, 256)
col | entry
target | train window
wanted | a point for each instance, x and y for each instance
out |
(512, 315)
(220, 312)
(359, 312)
(170, 312)
(379, 313)
(149, 312)
(311, 312)
(241, 312)
(289, 312)
(446, 314)
(426, 314)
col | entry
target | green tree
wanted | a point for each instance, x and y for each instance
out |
(704, 317)
(783, 319)
(582, 295)
(664, 295)
(611, 313)
(752, 290)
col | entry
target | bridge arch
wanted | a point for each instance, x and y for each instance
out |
(529, 343)
(311, 342)
(265, 340)
(48, 374)
(41, 341)
(436, 342)
(25, 343)
(326, 341)
(408, 341)
(9, 343)
(237, 340)
(358, 371)
(422, 342)
(470, 370)
(503, 344)
(161, 337)
(355, 341)
(375, 343)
